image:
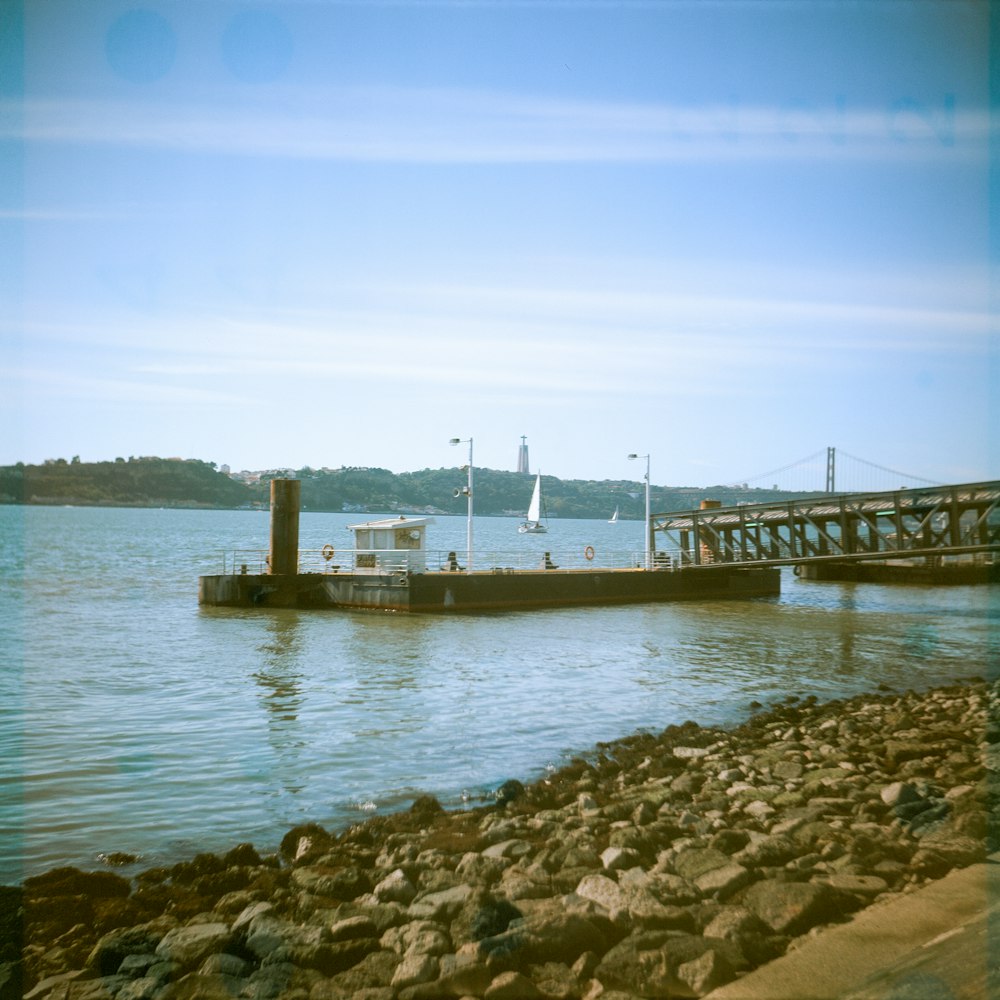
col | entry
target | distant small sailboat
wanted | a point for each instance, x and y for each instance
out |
(532, 524)
(614, 517)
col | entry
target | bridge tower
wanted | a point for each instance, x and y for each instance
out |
(831, 463)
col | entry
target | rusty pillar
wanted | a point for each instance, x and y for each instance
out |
(284, 557)
(705, 551)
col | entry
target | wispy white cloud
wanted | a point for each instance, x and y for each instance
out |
(555, 341)
(37, 213)
(122, 388)
(926, 325)
(455, 126)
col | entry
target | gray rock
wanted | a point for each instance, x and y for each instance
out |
(225, 965)
(395, 888)
(723, 882)
(268, 934)
(114, 947)
(692, 863)
(137, 965)
(512, 986)
(346, 883)
(50, 984)
(462, 975)
(440, 906)
(710, 970)
(899, 793)
(767, 852)
(650, 965)
(420, 937)
(548, 932)
(787, 770)
(143, 988)
(865, 886)
(604, 891)
(353, 928)
(513, 848)
(198, 987)
(191, 945)
(373, 972)
(792, 907)
(252, 911)
(520, 883)
(620, 858)
(733, 923)
(415, 969)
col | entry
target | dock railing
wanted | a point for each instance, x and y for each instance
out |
(393, 561)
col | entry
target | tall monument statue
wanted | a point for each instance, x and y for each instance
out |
(522, 456)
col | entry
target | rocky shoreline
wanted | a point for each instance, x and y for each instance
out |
(661, 866)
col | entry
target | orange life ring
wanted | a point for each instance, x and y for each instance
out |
(589, 552)
(328, 551)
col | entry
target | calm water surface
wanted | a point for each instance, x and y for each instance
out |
(132, 720)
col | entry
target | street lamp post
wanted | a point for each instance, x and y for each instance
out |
(467, 490)
(648, 546)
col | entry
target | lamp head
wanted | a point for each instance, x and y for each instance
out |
(455, 441)
(633, 456)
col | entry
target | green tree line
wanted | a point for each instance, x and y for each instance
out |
(137, 482)
(159, 482)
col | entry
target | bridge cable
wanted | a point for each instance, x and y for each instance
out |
(784, 468)
(894, 472)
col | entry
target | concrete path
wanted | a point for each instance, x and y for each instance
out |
(941, 942)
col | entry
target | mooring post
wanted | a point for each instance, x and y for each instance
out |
(284, 557)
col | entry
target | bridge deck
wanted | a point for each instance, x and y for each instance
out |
(930, 521)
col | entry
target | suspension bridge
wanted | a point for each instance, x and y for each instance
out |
(925, 524)
(832, 470)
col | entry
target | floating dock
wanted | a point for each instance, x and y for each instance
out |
(389, 570)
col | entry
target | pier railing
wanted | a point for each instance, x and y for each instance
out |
(328, 560)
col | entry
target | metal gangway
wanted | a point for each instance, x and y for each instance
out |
(898, 524)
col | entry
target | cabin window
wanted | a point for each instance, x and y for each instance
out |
(407, 538)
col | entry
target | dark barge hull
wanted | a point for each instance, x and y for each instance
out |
(948, 574)
(439, 592)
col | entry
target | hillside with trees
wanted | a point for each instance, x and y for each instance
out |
(137, 482)
(159, 482)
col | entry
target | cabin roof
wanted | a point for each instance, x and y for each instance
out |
(394, 522)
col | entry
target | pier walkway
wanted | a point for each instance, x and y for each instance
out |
(900, 524)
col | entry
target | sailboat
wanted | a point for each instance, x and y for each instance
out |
(532, 524)
(614, 517)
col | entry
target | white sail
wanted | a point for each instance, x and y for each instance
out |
(614, 517)
(535, 507)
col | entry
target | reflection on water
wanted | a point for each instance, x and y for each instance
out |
(134, 745)
(280, 681)
(280, 676)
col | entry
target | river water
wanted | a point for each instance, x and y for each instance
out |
(133, 720)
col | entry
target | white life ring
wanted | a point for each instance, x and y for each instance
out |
(328, 551)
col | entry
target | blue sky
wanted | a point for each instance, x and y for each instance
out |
(324, 233)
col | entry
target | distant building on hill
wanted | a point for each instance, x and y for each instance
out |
(522, 456)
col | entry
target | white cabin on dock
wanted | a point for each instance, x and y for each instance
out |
(396, 540)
